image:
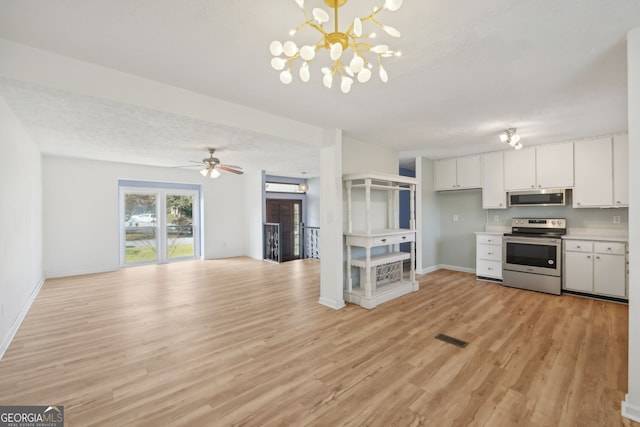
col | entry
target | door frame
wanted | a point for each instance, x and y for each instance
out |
(161, 190)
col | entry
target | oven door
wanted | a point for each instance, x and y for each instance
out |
(538, 255)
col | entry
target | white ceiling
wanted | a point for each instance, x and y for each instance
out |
(554, 69)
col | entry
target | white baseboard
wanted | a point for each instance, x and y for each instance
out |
(447, 267)
(335, 304)
(56, 274)
(19, 318)
(630, 411)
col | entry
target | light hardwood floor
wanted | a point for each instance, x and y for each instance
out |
(245, 342)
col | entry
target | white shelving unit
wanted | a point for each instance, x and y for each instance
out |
(381, 275)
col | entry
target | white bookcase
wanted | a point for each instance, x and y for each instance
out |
(373, 237)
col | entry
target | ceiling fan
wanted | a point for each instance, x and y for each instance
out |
(212, 166)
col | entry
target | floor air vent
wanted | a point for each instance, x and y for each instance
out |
(451, 340)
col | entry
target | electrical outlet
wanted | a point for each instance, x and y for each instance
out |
(496, 218)
(616, 219)
(455, 218)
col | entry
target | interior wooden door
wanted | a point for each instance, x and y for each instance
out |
(287, 213)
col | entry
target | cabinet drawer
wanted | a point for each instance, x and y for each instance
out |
(578, 246)
(489, 239)
(391, 240)
(616, 248)
(489, 269)
(489, 252)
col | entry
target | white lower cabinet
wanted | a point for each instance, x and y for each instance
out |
(489, 256)
(596, 267)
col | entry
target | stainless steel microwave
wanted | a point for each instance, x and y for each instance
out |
(547, 197)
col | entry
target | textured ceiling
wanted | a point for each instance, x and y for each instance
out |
(556, 70)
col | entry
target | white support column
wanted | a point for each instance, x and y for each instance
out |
(331, 240)
(631, 404)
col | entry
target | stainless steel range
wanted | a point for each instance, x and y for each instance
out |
(532, 254)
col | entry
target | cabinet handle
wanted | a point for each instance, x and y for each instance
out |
(618, 202)
(578, 247)
(597, 257)
(608, 249)
(578, 203)
(404, 237)
(489, 240)
(384, 240)
(539, 186)
(489, 253)
(533, 186)
(588, 256)
(489, 268)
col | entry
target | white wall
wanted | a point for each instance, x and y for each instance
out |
(253, 213)
(21, 272)
(631, 405)
(331, 212)
(313, 202)
(430, 218)
(361, 157)
(81, 230)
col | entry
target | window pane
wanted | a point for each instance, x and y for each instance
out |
(180, 226)
(140, 227)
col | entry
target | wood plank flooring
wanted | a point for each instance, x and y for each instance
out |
(245, 342)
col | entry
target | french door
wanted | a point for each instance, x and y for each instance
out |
(158, 225)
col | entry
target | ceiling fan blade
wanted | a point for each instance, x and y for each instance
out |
(187, 166)
(232, 166)
(230, 169)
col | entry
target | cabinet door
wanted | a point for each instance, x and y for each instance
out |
(445, 174)
(609, 275)
(621, 170)
(593, 174)
(468, 172)
(554, 165)
(578, 271)
(520, 169)
(493, 194)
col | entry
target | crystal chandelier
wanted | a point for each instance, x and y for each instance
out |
(509, 136)
(358, 61)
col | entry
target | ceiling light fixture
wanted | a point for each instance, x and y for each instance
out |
(509, 136)
(336, 43)
(210, 171)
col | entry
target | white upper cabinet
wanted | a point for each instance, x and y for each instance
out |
(543, 166)
(493, 194)
(520, 169)
(554, 165)
(457, 173)
(593, 173)
(621, 170)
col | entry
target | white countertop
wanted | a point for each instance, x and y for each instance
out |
(595, 237)
(597, 234)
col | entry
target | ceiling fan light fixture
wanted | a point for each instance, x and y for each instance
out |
(205, 171)
(335, 43)
(214, 173)
(510, 137)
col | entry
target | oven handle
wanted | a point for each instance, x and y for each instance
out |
(532, 240)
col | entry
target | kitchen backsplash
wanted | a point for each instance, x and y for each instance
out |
(617, 219)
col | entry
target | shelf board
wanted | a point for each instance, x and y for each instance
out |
(395, 179)
(381, 232)
(381, 259)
